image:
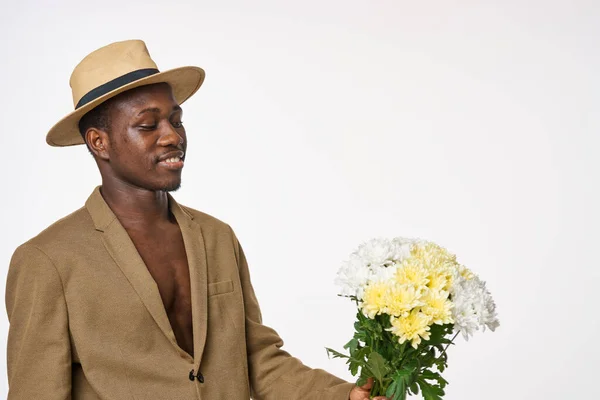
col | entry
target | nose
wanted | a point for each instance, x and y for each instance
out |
(169, 136)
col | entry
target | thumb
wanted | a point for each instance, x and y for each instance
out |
(367, 386)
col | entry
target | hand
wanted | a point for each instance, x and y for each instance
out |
(362, 392)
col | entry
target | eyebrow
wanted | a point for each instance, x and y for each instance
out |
(157, 110)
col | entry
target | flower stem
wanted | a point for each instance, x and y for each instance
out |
(446, 348)
(402, 348)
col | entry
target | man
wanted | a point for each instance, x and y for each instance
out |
(135, 296)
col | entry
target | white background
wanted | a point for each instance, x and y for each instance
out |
(322, 124)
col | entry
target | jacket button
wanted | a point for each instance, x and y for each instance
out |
(198, 376)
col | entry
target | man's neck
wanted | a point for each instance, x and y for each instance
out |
(136, 208)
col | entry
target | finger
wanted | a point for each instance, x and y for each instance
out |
(368, 385)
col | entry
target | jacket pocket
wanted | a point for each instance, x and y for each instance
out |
(222, 287)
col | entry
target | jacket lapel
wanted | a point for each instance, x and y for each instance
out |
(197, 262)
(120, 246)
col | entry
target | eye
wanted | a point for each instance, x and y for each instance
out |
(148, 127)
(177, 124)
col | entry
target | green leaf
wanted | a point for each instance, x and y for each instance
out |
(412, 365)
(352, 345)
(402, 372)
(414, 388)
(377, 366)
(442, 381)
(390, 390)
(400, 393)
(426, 374)
(362, 353)
(354, 364)
(335, 354)
(430, 392)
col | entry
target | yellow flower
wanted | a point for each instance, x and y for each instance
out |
(465, 272)
(437, 307)
(432, 255)
(434, 262)
(412, 272)
(439, 279)
(412, 327)
(374, 298)
(401, 299)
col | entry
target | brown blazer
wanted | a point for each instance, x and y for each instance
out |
(87, 321)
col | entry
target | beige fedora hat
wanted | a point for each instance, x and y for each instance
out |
(111, 70)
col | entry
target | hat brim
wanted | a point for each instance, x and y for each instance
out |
(185, 81)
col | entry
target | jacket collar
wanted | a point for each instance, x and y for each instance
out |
(120, 246)
(103, 216)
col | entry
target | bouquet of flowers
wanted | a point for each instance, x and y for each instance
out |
(412, 295)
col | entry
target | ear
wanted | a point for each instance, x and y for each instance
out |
(98, 142)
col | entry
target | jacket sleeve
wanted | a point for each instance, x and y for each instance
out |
(274, 374)
(38, 348)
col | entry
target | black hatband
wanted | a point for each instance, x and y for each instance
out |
(115, 84)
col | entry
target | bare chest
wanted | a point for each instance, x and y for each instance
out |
(166, 260)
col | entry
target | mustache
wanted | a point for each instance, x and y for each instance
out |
(173, 151)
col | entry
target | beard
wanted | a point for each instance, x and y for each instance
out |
(173, 187)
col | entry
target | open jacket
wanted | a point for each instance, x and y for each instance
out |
(87, 321)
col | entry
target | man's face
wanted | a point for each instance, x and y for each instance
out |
(147, 138)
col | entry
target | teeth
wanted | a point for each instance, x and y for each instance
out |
(173, 159)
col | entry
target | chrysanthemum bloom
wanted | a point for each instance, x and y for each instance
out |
(465, 272)
(411, 271)
(439, 279)
(374, 298)
(353, 276)
(400, 299)
(473, 305)
(413, 327)
(376, 252)
(432, 255)
(438, 307)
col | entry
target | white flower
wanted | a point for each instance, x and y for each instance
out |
(487, 315)
(473, 305)
(402, 248)
(377, 252)
(381, 273)
(373, 261)
(353, 276)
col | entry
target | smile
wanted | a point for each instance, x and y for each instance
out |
(173, 163)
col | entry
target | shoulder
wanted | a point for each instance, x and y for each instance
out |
(211, 225)
(205, 219)
(36, 258)
(69, 231)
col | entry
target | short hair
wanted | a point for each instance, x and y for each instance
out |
(98, 117)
